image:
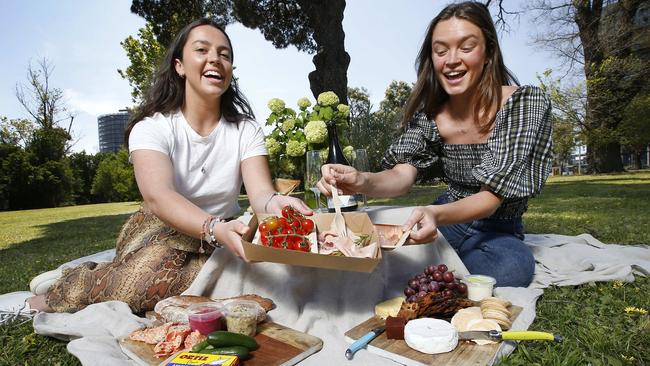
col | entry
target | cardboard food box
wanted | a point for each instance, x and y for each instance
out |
(358, 222)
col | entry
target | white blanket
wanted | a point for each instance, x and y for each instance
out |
(327, 303)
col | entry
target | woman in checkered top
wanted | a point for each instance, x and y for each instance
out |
(488, 140)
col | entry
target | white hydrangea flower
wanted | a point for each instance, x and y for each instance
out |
(316, 132)
(288, 125)
(276, 105)
(295, 148)
(344, 109)
(303, 103)
(273, 146)
(328, 98)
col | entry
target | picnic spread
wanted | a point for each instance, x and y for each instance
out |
(329, 309)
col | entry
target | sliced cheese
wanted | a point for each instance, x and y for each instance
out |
(483, 324)
(389, 307)
(431, 336)
(461, 319)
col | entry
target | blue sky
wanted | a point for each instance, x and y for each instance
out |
(82, 40)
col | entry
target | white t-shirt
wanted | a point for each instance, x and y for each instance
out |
(206, 169)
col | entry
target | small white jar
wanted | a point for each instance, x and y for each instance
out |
(479, 287)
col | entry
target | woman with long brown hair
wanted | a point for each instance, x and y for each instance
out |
(193, 142)
(488, 140)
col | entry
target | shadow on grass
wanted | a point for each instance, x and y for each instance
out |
(60, 242)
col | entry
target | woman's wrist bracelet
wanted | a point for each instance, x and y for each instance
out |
(266, 205)
(207, 231)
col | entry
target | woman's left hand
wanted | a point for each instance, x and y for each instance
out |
(279, 201)
(425, 218)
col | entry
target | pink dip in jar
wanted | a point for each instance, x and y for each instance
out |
(206, 317)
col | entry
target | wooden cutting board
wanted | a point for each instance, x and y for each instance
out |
(279, 345)
(466, 353)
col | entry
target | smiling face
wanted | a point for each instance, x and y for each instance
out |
(459, 56)
(206, 63)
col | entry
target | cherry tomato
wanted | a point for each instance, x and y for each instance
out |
(264, 227)
(307, 226)
(272, 223)
(295, 225)
(283, 223)
(288, 212)
(265, 240)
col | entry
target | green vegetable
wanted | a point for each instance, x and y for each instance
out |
(240, 351)
(222, 338)
(200, 346)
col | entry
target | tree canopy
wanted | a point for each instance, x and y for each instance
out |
(310, 26)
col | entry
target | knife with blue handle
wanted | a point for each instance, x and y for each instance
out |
(363, 341)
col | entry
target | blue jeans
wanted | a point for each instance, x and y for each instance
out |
(492, 247)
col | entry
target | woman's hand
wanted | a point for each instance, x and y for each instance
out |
(425, 218)
(279, 201)
(229, 235)
(347, 179)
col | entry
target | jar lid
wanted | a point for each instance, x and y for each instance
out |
(205, 308)
(479, 280)
(243, 308)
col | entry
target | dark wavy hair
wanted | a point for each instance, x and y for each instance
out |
(167, 92)
(428, 95)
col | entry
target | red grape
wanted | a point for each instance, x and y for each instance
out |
(447, 293)
(461, 288)
(430, 269)
(437, 276)
(448, 277)
(414, 284)
(421, 294)
(442, 268)
(409, 291)
(434, 287)
(412, 298)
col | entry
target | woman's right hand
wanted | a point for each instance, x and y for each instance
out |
(229, 234)
(347, 179)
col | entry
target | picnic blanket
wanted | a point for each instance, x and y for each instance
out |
(327, 303)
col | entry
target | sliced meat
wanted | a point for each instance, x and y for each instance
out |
(192, 339)
(173, 341)
(151, 335)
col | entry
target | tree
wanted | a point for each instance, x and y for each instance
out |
(601, 37)
(115, 180)
(84, 167)
(311, 26)
(375, 131)
(35, 171)
(635, 127)
(144, 52)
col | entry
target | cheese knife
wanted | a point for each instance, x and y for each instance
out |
(363, 341)
(495, 335)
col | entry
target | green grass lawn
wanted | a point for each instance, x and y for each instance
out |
(592, 317)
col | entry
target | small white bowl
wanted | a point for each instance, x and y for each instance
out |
(479, 286)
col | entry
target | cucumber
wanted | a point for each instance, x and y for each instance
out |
(200, 346)
(240, 351)
(222, 338)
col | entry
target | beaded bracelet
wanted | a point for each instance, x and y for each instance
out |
(207, 231)
(266, 205)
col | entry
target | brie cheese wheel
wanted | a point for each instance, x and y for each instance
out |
(431, 336)
(389, 307)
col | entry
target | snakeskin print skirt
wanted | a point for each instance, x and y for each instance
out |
(153, 261)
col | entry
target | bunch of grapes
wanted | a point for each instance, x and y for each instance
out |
(288, 232)
(434, 279)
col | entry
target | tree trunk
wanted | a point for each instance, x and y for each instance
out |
(331, 60)
(607, 158)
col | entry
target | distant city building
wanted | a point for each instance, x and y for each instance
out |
(111, 130)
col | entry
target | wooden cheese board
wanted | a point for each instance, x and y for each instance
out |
(279, 345)
(466, 353)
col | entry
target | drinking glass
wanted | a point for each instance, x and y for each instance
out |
(360, 163)
(312, 175)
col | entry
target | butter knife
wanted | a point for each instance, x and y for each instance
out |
(363, 341)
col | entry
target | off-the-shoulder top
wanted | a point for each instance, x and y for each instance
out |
(514, 162)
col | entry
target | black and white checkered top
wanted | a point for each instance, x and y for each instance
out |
(514, 162)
